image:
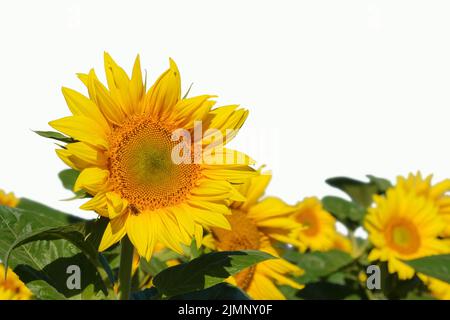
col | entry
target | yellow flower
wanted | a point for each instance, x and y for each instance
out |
(403, 226)
(435, 193)
(12, 288)
(439, 289)
(126, 139)
(319, 232)
(341, 242)
(254, 225)
(8, 199)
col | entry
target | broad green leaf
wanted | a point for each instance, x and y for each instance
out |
(359, 191)
(318, 264)
(221, 291)
(63, 217)
(437, 266)
(205, 271)
(55, 136)
(41, 264)
(84, 235)
(350, 213)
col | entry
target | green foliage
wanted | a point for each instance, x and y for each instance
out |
(68, 178)
(360, 192)
(55, 136)
(350, 213)
(221, 291)
(437, 266)
(40, 249)
(318, 265)
(205, 271)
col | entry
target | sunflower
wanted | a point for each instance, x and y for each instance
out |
(8, 199)
(12, 288)
(402, 226)
(255, 225)
(142, 171)
(436, 193)
(438, 288)
(319, 226)
(341, 242)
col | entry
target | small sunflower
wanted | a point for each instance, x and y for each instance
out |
(12, 288)
(8, 199)
(436, 193)
(438, 288)
(124, 146)
(341, 242)
(254, 226)
(402, 226)
(319, 226)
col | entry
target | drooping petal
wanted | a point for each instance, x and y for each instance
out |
(114, 232)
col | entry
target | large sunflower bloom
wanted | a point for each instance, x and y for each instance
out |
(319, 226)
(403, 226)
(436, 193)
(125, 139)
(12, 288)
(254, 226)
(8, 199)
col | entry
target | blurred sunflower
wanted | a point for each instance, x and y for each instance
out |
(124, 151)
(319, 226)
(436, 193)
(8, 199)
(12, 288)
(254, 226)
(439, 289)
(402, 226)
(341, 242)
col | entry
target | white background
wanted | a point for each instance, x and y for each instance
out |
(334, 87)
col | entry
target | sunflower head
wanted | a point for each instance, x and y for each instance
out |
(12, 288)
(255, 224)
(146, 157)
(403, 225)
(319, 230)
(342, 243)
(436, 193)
(8, 199)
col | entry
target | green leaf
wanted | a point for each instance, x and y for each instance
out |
(318, 265)
(350, 213)
(359, 191)
(221, 291)
(205, 271)
(437, 266)
(68, 178)
(85, 235)
(42, 264)
(62, 217)
(55, 136)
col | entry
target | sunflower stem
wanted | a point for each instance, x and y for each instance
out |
(126, 261)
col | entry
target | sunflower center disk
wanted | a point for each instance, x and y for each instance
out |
(244, 235)
(141, 166)
(403, 236)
